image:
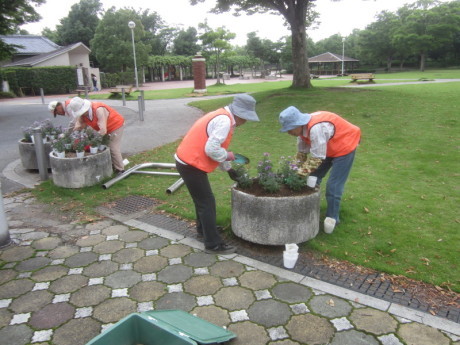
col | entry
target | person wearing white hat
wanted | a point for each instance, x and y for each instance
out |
(104, 120)
(201, 151)
(332, 142)
(62, 109)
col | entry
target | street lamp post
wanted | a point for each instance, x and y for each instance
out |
(132, 25)
(343, 52)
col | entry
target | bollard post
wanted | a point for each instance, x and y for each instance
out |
(41, 154)
(4, 232)
(143, 100)
(141, 111)
(123, 96)
(42, 94)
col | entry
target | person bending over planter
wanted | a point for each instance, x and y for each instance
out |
(202, 150)
(103, 119)
(332, 142)
(62, 109)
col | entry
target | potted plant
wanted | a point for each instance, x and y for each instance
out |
(94, 139)
(276, 207)
(104, 142)
(58, 146)
(79, 142)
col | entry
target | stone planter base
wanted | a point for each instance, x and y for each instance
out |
(275, 220)
(81, 172)
(29, 157)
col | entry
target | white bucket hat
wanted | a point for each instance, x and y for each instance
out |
(244, 106)
(291, 118)
(79, 106)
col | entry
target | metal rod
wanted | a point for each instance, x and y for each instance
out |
(4, 232)
(42, 94)
(175, 186)
(143, 100)
(141, 110)
(123, 96)
(156, 173)
(135, 168)
(40, 154)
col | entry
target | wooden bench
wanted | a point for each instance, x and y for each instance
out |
(118, 89)
(82, 89)
(362, 76)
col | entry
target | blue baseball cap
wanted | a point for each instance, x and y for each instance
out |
(291, 118)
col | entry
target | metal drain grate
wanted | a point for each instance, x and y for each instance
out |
(168, 223)
(131, 204)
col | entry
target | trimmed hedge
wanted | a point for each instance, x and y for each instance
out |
(53, 80)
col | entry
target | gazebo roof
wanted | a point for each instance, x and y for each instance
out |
(330, 57)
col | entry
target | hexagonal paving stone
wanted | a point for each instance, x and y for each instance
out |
(353, 337)
(234, 298)
(147, 291)
(90, 295)
(47, 243)
(100, 225)
(31, 301)
(32, 264)
(5, 317)
(49, 273)
(330, 306)
(213, 314)
(128, 255)
(310, 329)
(257, 280)
(200, 259)
(68, 284)
(52, 315)
(284, 342)
(115, 230)
(100, 269)
(63, 252)
(417, 334)
(114, 309)
(7, 275)
(17, 253)
(175, 251)
(16, 288)
(269, 313)
(122, 279)
(82, 329)
(108, 247)
(81, 259)
(16, 335)
(150, 264)
(34, 235)
(373, 321)
(248, 333)
(227, 269)
(176, 300)
(134, 236)
(90, 241)
(202, 285)
(153, 243)
(175, 274)
(292, 293)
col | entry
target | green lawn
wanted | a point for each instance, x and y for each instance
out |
(400, 207)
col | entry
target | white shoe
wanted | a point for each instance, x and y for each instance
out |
(329, 225)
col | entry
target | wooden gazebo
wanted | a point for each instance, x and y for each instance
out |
(331, 64)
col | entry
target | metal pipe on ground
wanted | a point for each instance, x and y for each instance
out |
(135, 168)
(175, 186)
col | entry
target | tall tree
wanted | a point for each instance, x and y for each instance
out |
(297, 13)
(186, 42)
(158, 35)
(13, 14)
(80, 24)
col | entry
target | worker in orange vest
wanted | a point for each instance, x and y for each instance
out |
(332, 143)
(203, 149)
(103, 119)
(62, 109)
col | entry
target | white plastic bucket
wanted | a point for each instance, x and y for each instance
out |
(289, 259)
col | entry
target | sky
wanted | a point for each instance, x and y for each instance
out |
(336, 17)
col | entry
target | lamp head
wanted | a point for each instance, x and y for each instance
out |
(131, 25)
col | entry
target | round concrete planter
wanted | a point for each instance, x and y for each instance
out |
(28, 156)
(275, 220)
(81, 172)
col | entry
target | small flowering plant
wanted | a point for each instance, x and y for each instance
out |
(79, 140)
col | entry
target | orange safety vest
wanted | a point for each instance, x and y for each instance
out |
(114, 121)
(192, 148)
(346, 136)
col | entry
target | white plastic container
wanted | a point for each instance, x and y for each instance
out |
(311, 181)
(289, 259)
(292, 248)
(329, 225)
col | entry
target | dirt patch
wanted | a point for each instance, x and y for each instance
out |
(257, 190)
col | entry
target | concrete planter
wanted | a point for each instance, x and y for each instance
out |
(28, 156)
(275, 220)
(81, 172)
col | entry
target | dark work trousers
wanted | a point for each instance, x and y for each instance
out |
(197, 183)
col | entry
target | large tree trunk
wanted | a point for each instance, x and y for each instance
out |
(301, 71)
(389, 62)
(422, 61)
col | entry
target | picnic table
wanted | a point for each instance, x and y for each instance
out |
(362, 76)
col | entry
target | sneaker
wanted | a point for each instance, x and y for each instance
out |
(221, 249)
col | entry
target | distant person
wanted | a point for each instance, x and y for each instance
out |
(62, 109)
(103, 119)
(201, 151)
(94, 79)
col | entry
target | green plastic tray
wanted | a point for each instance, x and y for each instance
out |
(161, 327)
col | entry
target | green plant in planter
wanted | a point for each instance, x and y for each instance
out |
(58, 144)
(268, 178)
(79, 140)
(105, 139)
(94, 138)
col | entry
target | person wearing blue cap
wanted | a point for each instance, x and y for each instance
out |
(331, 142)
(202, 150)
